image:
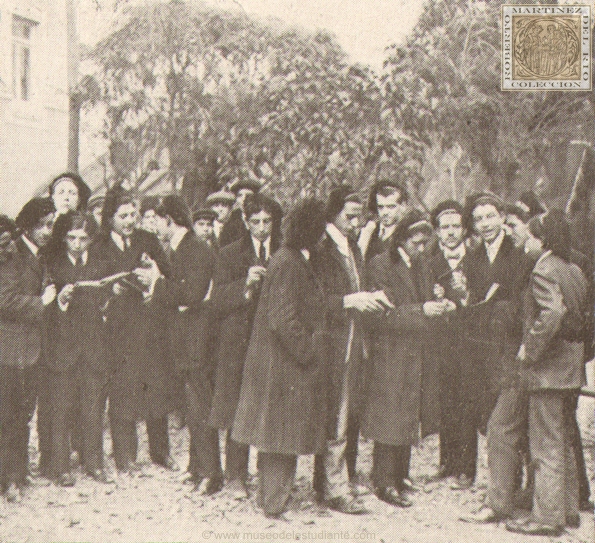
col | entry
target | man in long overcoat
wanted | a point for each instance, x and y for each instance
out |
(394, 406)
(339, 267)
(282, 405)
(239, 273)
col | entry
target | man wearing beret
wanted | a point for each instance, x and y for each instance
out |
(339, 267)
(203, 221)
(458, 436)
(23, 298)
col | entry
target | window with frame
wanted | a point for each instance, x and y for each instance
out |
(22, 30)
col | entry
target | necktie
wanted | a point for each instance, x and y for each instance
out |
(262, 253)
(126, 242)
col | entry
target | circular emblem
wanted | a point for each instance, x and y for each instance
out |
(546, 47)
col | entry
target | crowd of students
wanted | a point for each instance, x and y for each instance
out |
(296, 335)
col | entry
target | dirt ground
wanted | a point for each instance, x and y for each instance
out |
(155, 506)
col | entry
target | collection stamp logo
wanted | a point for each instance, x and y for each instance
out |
(546, 47)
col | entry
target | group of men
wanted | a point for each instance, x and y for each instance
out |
(427, 325)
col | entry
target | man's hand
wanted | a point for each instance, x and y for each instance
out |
(66, 294)
(255, 275)
(49, 294)
(381, 297)
(433, 309)
(148, 273)
(365, 302)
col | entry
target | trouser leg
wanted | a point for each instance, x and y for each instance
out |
(18, 391)
(383, 465)
(277, 472)
(204, 440)
(92, 400)
(352, 446)
(236, 459)
(465, 458)
(584, 488)
(506, 427)
(64, 391)
(158, 439)
(556, 485)
(125, 442)
(44, 420)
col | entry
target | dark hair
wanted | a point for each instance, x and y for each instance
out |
(553, 229)
(304, 225)
(385, 187)
(477, 199)
(517, 211)
(8, 225)
(529, 201)
(148, 203)
(255, 203)
(73, 220)
(83, 189)
(446, 205)
(115, 197)
(176, 208)
(337, 199)
(33, 211)
(415, 221)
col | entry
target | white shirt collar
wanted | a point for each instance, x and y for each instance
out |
(217, 227)
(453, 256)
(305, 253)
(340, 240)
(84, 258)
(118, 240)
(385, 232)
(267, 246)
(177, 237)
(406, 258)
(493, 248)
(32, 247)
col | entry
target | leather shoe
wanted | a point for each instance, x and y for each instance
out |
(101, 476)
(191, 479)
(348, 505)
(533, 528)
(357, 489)
(485, 515)
(236, 489)
(66, 480)
(408, 486)
(168, 463)
(391, 495)
(13, 493)
(462, 482)
(208, 486)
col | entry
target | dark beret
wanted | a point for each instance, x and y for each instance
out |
(33, 211)
(204, 213)
(337, 199)
(175, 207)
(245, 183)
(529, 203)
(83, 188)
(477, 199)
(443, 207)
(148, 203)
(8, 225)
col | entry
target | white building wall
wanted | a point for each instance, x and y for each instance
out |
(33, 132)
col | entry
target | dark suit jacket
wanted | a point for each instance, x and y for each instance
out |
(282, 407)
(233, 230)
(494, 329)
(191, 272)
(21, 308)
(140, 366)
(557, 290)
(376, 246)
(234, 315)
(394, 407)
(79, 332)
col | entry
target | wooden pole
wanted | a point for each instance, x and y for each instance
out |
(74, 106)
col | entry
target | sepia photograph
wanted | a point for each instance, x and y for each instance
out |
(280, 270)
